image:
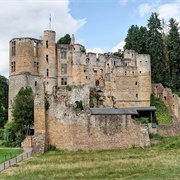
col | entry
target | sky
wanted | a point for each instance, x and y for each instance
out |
(100, 25)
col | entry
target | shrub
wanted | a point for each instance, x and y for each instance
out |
(52, 147)
(1, 134)
(68, 87)
(142, 120)
(46, 104)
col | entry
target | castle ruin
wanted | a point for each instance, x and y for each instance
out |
(112, 91)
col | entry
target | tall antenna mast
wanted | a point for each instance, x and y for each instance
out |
(50, 21)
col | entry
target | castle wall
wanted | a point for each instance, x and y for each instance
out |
(78, 130)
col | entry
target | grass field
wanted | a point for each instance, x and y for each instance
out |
(159, 162)
(6, 154)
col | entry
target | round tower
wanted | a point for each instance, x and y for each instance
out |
(24, 64)
(48, 60)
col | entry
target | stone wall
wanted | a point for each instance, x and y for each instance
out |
(171, 100)
(168, 130)
(68, 128)
(27, 142)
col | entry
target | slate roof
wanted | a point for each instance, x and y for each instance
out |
(121, 111)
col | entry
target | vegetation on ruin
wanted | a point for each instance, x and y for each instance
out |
(161, 41)
(68, 87)
(65, 39)
(161, 161)
(162, 114)
(46, 104)
(3, 101)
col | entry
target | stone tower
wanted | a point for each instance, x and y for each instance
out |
(48, 60)
(24, 65)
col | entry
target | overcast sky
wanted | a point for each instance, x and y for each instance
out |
(99, 25)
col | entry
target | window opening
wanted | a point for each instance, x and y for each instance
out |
(13, 45)
(35, 83)
(63, 68)
(47, 44)
(35, 48)
(47, 72)
(63, 53)
(13, 66)
(136, 95)
(63, 81)
(47, 58)
(97, 82)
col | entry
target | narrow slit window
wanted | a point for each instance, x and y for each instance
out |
(47, 44)
(47, 58)
(47, 72)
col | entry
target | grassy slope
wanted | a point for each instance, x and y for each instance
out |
(162, 114)
(9, 153)
(158, 162)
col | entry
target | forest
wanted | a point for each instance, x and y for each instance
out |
(3, 101)
(161, 41)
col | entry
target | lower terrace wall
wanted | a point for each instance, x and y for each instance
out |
(73, 130)
(168, 130)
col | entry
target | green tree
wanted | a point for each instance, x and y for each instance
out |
(23, 110)
(136, 39)
(174, 54)
(3, 101)
(155, 47)
(65, 40)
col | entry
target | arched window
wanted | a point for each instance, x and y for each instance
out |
(97, 82)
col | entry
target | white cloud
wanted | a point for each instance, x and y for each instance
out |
(29, 19)
(95, 50)
(123, 2)
(168, 11)
(144, 8)
(120, 45)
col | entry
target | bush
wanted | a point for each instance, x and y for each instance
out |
(52, 147)
(142, 120)
(46, 104)
(1, 134)
(68, 87)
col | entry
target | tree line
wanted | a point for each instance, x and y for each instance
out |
(162, 42)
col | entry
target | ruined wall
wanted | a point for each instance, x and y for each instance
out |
(171, 100)
(39, 140)
(168, 130)
(72, 129)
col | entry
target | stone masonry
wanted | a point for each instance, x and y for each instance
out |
(48, 68)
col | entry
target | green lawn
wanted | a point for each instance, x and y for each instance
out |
(159, 162)
(6, 154)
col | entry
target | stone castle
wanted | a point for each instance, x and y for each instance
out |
(112, 90)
